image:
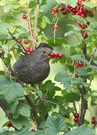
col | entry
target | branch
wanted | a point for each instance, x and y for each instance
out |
(83, 106)
(74, 107)
(5, 109)
(32, 28)
(14, 38)
(33, 109)
(92, 56)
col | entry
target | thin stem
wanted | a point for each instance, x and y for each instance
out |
(5, 109)
(74, 107)
(92, 56)
(14, 38)
(33, 109)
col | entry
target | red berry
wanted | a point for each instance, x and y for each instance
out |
(93, 118)
(56, 27)
(55, 10)
(56, 55)
(93, 122)
(81, 64)
(76, 76)
(85, 35)
(62, 8)
(76, 115)
(26, 41)
(33, 130)
(24, 17)
(64, 12)
(9, 125)
(77, 65)
(60, 56)
(76, 120)
(27, 49)
(88, 23)
(52, 55)
(19, 40)
(53, 13)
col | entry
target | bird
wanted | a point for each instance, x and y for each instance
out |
(34, 68)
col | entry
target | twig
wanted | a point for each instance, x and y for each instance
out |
(5, 109)
(83, 106)
(30, 26)
(33, 109)
(74, 107)
(92, 56)
(14, 38)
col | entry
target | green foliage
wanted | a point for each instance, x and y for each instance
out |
(50, 110)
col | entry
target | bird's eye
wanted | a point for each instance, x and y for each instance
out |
(44, 51)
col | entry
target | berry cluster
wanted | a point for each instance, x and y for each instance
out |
(79, 64)
(56, 55)
(25, 41)
(76, 117)
(78, 10)
(29, 50)
(93, 121)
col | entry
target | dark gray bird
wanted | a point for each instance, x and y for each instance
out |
(34, 68)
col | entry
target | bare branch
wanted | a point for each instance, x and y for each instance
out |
(5, 109)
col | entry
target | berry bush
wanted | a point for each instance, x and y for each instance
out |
(61, 106)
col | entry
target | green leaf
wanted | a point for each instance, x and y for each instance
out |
(43, 2)
(70, 97)
(20, 122)
(10, 7)
(82, 71)
(40, 132)
(72, 2)
(11, 90)
(55, 124)
(6, 132)
(82, 130)
(24, 110)
(65, 79)
(37, 91)
(4, 26)
(3, 36)
(89, 5)
(72, 32)
(79, 58)
(32, 4)
(25, 131)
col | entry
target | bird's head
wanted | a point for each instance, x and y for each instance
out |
(45, 51)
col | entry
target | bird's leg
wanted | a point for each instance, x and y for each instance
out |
(40, 85)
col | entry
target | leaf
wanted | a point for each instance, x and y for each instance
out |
(82, 130)
(3, 36)
(70, 97)
(89, 5)
(78, 57)
(10, 7)
(40, 132)
(25, 131)
(24, 110)
(20, 122)
(11, 90)
(55, 124)
(32, 4)
(42, 2)
(4, 26)
(65, 79)
(6, 132)
(72, 2)
(82, 71)
(72, 32)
